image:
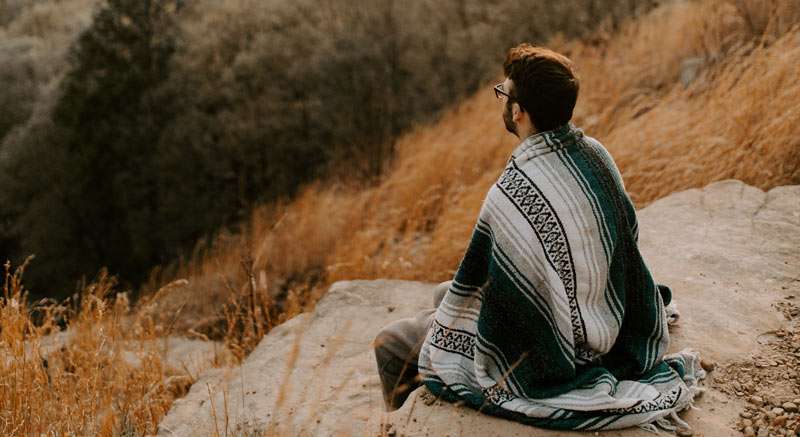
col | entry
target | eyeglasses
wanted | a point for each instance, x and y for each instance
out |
(499, 91)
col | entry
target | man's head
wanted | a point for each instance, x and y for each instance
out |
(541, 84)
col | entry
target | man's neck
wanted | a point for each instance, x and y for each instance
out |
(525, 132)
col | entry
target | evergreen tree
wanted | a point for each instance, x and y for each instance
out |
(96, 201)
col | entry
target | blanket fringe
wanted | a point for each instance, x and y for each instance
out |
(674, 416)
(673, 315)
(649, 427)
(670, 422)
(664, 423)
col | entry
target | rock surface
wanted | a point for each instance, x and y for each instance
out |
(180, 353)
(729, 252)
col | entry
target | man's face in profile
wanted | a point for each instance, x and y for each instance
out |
(508, 118)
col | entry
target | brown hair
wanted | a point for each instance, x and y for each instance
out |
(545, 84)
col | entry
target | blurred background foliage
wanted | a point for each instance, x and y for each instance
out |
(133, 131)
(256, 152)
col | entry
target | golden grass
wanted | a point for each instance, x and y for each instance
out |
(104, 375)
(737, 118)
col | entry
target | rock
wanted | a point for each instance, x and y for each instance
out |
(180, 353)
(756, 400)
(763, 432)
(707, 365)
(790, 407)
(729, 231)
(337, 385)
(690, 67)
(684, 432)
(749, 432)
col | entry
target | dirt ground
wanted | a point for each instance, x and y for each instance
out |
(769, 381)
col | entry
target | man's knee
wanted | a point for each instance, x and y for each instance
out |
(382, 344)
(439, 292)
(398, 343)
(396, 337)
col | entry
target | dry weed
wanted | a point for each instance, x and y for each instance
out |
(691, 93)
(734, 115)
(102, 375)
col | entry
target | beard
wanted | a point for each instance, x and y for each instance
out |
(508, 120)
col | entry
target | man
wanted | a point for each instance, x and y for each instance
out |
(552, 319)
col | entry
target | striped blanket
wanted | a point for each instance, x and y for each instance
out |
(553, 319)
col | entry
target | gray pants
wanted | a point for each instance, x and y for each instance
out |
(397, 348)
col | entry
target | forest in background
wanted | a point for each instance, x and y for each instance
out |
(687, 94)
(131, 131)
(690, 93)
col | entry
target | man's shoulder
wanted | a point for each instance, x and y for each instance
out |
(601, 152)
(594, 143)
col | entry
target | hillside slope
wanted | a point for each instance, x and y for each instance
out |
(692, 93)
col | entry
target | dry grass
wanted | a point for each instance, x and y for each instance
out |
(104, 375)
(736, 117)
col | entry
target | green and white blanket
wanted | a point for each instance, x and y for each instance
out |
(553, 319)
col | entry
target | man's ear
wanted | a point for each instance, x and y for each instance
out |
(516, 111)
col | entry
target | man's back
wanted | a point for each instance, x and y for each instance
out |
(552, 305)
(573, 250)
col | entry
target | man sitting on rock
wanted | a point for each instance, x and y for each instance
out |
(553, 318)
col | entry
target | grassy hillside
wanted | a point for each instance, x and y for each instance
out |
(169, 120)
(691, 93)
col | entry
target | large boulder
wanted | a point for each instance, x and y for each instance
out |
(728, 251)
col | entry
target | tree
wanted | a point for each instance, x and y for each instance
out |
(172, 126)
(93, 205)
